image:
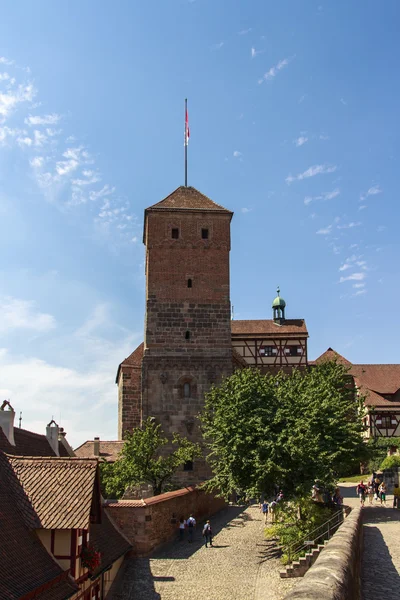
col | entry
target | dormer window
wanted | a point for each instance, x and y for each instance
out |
(204, 234)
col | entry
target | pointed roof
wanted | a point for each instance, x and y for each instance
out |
(331, 354)
(188, 198)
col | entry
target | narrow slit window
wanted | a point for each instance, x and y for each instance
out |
(175, 233)
(187, 335)
(189, 283)
(204, 234)
(186, 390)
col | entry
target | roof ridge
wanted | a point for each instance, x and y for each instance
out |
(51, 458)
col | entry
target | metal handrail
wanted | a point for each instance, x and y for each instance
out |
(313, 537)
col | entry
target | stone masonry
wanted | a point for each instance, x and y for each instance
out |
(187, 346)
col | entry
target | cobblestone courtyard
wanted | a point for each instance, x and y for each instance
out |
(240, 566)
(380, 576)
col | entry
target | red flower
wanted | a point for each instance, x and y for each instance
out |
(90, 558)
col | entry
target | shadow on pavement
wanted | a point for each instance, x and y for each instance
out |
(379, 576)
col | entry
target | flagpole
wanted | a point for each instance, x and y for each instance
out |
(186, 142)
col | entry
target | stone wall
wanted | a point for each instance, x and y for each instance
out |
(391, 478)
(336, 573)
(154, 521)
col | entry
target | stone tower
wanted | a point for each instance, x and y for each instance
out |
(187, 345)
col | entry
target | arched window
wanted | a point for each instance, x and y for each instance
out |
(186, 390)
(187, 335)
(189, 283)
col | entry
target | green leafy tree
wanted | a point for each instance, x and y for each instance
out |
(285, 430)
(147, 457)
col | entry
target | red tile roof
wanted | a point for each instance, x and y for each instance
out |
(188, 198)
(25, 565)
(109, 450)
(331, 354)
(55, 493)
(133, 360)
(268, 327)
(376, 381)
(28, 443)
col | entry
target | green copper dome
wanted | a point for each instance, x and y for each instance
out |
(278, 302)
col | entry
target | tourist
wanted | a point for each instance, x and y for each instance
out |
(264, 510)
(182, 525)
(396, 496)
(376, 484)
(279, 496)
(361, 490)
(207, 533)
(191, 524)
(382, 492)
(337, 498)
(272, 508)
(370, 490)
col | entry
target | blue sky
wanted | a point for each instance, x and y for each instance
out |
(293, 110)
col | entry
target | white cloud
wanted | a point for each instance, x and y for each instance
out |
(90, 178)
(311, 172)
(255, 52)
(353, 277)
(237, 154)
(300, 141)
(325, 230)
(106, 190)
(244, 31)
(359, 285)
(52, 119)
(14, 96)
(324, 137)
(372, 191)
(37, 162)
(274, 70)
(350, 225)
(217, 46)
(324, 196)
(245, 210)
(21, 314)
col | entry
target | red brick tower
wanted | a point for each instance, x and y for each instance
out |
(187, 345)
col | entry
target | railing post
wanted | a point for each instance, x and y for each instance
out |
(329, 531)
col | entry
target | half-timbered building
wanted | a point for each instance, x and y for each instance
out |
(380, 384)
(271, 345)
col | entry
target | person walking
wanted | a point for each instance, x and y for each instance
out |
(191, 524)
(264, 510)
(376, 484)
(382, 490)
(361, 489)
(370, 490)
(182, 526)
(396, 496)
(207, 534)
(272, 508)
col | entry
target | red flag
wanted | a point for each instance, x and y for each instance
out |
(187, 130)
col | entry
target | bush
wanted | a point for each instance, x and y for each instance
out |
(294, 521)
(377, 451)
(390, 462)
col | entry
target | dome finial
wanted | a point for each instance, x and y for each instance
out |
(278, 291)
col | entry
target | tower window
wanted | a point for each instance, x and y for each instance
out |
(187, 335)
(204, 234)
(189, 283)
(175, 233)
(186, 390)
(188, 465)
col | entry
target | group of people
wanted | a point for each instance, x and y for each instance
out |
(190, 525)
(374, 490)
(269, 508)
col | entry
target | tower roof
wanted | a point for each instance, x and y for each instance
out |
(188, 198)
(278, 302)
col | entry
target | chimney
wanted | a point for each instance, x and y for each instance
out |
(96, 446)
(52, 431)
(7, 421)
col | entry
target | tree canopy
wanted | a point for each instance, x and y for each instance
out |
(147, 457)
(264, 431)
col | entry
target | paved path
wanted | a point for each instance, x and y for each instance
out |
(380, 576)
(241, 566)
